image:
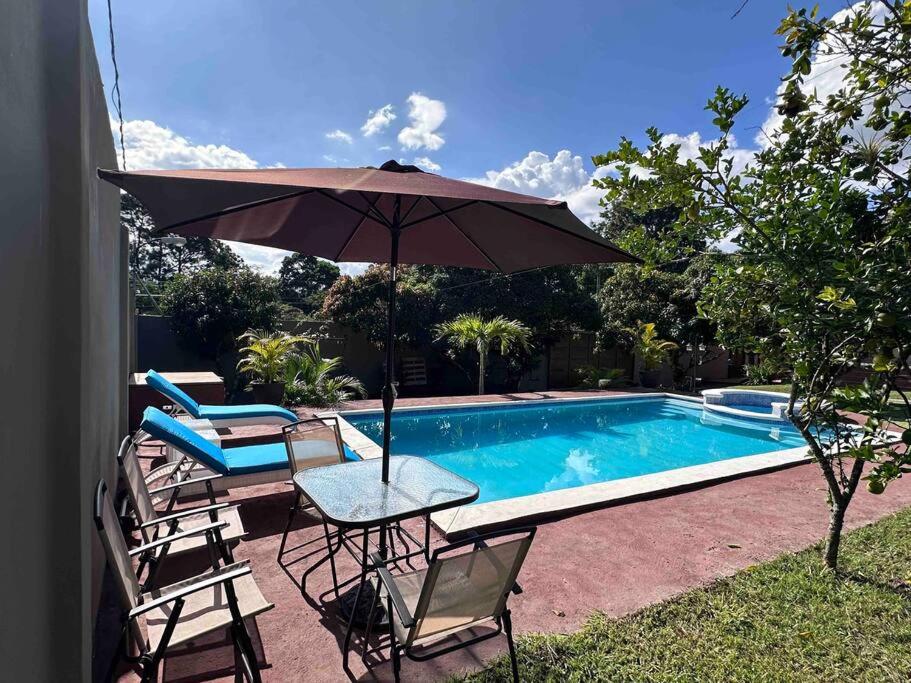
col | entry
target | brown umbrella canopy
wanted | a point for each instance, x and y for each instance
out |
(347, 214)
(388, 215)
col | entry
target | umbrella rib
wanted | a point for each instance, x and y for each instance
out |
(440, 212)
(617, 250)
(372, 206)
(367, 214)
(233, 209)
(467, 236)
(417, 201)
(356, 227)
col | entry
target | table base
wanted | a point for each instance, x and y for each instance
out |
(362, 611)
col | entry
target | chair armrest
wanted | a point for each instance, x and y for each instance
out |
(398, 602)
(167, 540)
(214, 578)
(185, 482)
(184, 513)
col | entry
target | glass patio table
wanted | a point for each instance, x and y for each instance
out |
(352, 495)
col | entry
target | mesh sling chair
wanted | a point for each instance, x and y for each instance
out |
(153, 525)
(458, 590)
(182, 612)
(312, 442)
(315, 442)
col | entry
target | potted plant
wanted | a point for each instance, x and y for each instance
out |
(652, 351)
(264, 359)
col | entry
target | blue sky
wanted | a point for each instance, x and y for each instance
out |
(475, 87)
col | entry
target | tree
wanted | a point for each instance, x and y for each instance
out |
(360, 303)
(471, 330)
(154, 263)
(822, 217)
(550, 301)
(209, 309)
(304, 280)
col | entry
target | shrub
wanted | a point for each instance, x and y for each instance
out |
(591, 377)
(209, 309)
(310, 380)
(267, 355)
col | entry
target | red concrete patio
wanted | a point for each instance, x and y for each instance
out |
(617, 560)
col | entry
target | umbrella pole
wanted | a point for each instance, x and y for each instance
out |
(389, 388)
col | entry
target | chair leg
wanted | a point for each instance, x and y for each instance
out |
(393, 647)
(291, 513)
(238, 660)
(371, 617)
(330, 556)
(507, 627)
(244, 645)
(149, 669)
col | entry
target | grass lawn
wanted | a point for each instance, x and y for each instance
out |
(787, 620)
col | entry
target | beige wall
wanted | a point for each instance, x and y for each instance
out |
(63, 355)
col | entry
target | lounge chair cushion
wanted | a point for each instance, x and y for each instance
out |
(165, 428)
(264, 457)
(239, 412)
(173, 392)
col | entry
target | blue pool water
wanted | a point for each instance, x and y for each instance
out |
(518, 450)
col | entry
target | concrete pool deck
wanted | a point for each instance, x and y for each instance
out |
(617, 560)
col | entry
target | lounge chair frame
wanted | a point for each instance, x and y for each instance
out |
(203, 479)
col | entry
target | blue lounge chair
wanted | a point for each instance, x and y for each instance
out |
(240, 466)
(220, 416)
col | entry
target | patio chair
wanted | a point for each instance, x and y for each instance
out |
(153, 525)
(183, 612)
(219, 416)
(457, 591)
(312, 442)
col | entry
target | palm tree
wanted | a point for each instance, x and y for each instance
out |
(472, 330)
(265, 355)
(311, 379)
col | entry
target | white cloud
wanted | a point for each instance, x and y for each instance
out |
(340, 135)
(690, 144)
(564, 177)
(425, 116)
(538, 174)
(378, 121)
(384, 148)
(427, 164)
(150, 146)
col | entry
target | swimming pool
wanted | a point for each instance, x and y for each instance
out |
(516, 450)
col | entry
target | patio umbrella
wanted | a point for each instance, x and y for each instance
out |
(393, 214)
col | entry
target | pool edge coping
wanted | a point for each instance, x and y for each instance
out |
(461, 520)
